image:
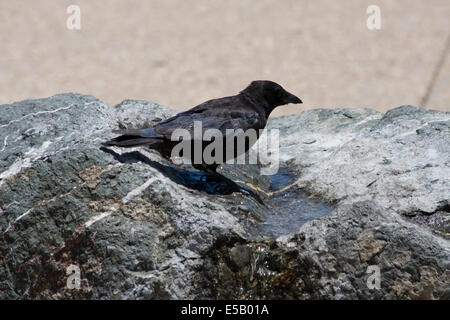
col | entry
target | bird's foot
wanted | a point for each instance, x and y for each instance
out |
(223, 185)
(204, 178)
(216, 184)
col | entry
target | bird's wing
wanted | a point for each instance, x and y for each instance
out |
(211, 115)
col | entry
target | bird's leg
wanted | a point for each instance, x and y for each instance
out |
(208, 173)
(234, 187)
(211, 172)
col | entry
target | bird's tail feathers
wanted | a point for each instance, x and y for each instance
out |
(135, 137)
(128, 141)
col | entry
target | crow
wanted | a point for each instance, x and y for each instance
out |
(250, 109)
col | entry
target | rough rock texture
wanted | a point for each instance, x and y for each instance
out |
(399, 159)
(330, 259)
(139, 228)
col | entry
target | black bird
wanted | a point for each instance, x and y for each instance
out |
(250, 109)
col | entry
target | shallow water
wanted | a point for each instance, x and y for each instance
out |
(290, 209)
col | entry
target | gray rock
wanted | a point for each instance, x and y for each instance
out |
(137, 227)
(334, 257)
(399, 159)
(133, 232)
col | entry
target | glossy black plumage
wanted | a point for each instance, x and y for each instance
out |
(250, 109)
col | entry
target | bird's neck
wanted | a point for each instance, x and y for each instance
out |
(258, 103)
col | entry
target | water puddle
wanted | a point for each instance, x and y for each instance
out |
(290, 209)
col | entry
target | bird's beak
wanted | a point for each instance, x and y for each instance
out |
(293, 99)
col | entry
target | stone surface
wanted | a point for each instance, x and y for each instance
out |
(399, 159)
(330, 259)
(137, 227)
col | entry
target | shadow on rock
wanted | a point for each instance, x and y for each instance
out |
(196, 180)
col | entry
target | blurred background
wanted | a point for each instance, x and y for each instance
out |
(180, 53)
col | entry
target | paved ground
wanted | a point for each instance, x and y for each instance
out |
(180, 53)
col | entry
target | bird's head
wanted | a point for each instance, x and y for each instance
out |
(271, 92)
